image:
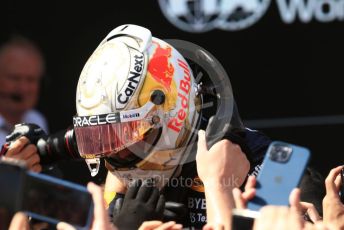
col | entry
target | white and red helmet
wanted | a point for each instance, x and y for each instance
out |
(137, 105)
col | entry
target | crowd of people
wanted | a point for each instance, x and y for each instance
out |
(139, 108)
(142, 211)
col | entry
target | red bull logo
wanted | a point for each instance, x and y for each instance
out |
(177, 122)
(159, 66)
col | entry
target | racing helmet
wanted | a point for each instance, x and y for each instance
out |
(137, 106)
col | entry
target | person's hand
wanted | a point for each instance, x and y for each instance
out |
(310, 210)
(100, 217)
(241, 198)
(333, 208)
(224, 163)
(317, 226)
(173, 211)
(158, 225)
(19, 221)
(142, 202)
(303, 208)
(221, 168)
(21, 149)
(278, 217)
(213, 227)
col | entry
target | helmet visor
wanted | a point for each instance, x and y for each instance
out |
(107, 134)
(127, 158)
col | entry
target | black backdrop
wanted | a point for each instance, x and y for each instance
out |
(277, 70)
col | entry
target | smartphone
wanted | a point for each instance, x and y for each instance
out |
(46, 198)
(282, 170)
(11, 180)
(243, 219)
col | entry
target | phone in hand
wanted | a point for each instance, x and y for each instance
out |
(11, 177)
(282, 170)
(45, 198)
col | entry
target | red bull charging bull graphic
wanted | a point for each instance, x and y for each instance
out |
(160, 67)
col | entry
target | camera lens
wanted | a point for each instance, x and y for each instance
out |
(280, 153)
(284, 155)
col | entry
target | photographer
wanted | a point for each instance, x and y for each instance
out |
(21, 70)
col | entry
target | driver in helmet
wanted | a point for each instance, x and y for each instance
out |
(139, 106)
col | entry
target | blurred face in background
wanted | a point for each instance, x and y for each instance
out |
(21, 69)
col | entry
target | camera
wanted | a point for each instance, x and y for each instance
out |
(280, 153)
(51, 148)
